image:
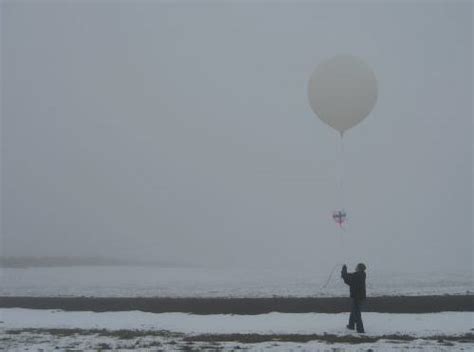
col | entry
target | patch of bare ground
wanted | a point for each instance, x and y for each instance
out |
(120, 334)
(329, 338)
(247, 306)
(211, 341)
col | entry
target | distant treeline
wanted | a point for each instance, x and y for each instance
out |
(25, 262)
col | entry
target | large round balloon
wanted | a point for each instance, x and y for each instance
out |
(342, 91)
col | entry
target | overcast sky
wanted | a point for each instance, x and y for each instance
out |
(182, 132)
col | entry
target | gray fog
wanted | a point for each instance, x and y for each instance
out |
(182, 132)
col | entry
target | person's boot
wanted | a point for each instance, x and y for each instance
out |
(350, 327)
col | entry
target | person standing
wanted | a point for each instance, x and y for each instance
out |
(356, 282)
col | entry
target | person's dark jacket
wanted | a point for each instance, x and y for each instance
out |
(356, 282)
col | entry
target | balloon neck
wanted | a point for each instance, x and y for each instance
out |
(341, 133)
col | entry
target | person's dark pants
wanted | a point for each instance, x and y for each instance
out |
(356, 317)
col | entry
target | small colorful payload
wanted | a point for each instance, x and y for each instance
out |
(339, 217)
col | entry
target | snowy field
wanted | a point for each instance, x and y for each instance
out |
(147, 281)
(46, 330)
(33, 330)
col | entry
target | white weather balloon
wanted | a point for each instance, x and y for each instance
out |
(342, 91)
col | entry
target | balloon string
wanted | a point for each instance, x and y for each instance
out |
(342, 170)
(341, 193)
(342, 205)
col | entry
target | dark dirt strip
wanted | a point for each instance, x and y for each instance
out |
(330, 338)
(382, 304)
(245, 338)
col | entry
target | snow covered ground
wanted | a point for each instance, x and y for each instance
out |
(128, 281)
(273, 323)
(26, 329)
(45, 330)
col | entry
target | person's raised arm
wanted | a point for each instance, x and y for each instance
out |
(345, 275)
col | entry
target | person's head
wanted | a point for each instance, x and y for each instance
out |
(360, 267)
